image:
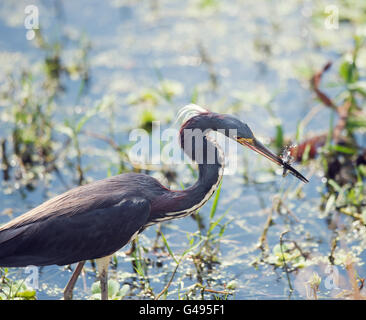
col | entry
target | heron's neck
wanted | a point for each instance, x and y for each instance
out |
(177, 204)
(196, 196)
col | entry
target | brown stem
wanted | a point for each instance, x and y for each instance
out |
(4, 160)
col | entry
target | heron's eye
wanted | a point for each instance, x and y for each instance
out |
(245, 140)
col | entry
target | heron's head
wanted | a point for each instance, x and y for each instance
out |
(237, 130)
(243, 135)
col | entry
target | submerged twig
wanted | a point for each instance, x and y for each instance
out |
(157, 297)
(263, 243)
(285, 267)
(315, 81)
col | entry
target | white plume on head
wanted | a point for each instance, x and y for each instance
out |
(188, 112)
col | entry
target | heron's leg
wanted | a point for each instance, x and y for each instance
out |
(102, 265)
(71, 284)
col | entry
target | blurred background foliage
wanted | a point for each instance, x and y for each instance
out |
(295, 71)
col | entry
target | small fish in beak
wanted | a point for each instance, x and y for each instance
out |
(287, 158)
(257, 146)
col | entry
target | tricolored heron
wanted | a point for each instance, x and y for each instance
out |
(95, 220)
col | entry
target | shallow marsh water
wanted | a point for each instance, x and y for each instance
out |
(251, 58)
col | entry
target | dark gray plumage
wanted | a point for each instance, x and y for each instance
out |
(87, 222)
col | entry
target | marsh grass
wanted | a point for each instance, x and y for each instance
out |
(14, 289)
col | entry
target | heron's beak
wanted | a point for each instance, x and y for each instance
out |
(257, 146)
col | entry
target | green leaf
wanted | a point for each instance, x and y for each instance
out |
(89, 114)
(330, 202)
(113, 287)
(356, 123)
(277, 248)
(344, 149)
(194, 97)
(27, 294)
(167, 246)
(124, 290)
(344, 70)
(348, 72)
(95, 289)
(335, 185)
(138, 266)
(216, 200)
(233, 284)
(191, 248)
(359, 86)
(65, 129)
(223, 228)
(279, 136)
(213, 225)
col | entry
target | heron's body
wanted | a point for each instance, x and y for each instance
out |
(91, 221)
(95, 220)
(87, 222)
